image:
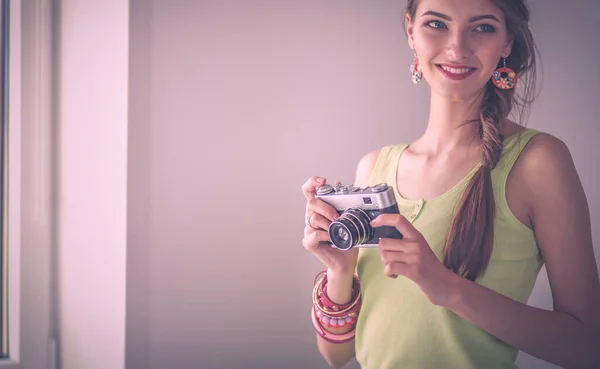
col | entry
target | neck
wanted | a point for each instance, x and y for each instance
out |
(448, 129)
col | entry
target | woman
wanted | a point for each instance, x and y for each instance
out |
(484, 203)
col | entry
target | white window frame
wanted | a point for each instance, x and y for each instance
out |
(32, 306)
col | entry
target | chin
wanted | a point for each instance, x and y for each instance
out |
(458, 94)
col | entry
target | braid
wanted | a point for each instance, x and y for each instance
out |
(494, 110)
(470, 241)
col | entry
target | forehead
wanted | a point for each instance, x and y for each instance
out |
(460, 9)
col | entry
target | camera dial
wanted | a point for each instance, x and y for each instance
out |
(380, 187)
(341, 189)
(324, 189)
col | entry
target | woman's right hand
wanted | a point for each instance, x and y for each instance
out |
(318, 217)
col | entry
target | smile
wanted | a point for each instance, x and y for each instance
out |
(455, 73)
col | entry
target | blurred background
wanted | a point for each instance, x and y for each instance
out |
(182, 133)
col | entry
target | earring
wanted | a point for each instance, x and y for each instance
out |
(416, 71)
(505, 78)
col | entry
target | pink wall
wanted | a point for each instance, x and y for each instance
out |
(233, 105)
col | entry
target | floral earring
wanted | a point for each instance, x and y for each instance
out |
(416, 71)
(504, 78)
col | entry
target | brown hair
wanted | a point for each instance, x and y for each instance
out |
(470, 241)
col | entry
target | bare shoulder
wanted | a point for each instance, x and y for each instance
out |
(365, 167)
(544, 146)
(545, 170)
(545, 164)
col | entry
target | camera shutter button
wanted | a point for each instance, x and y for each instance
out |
(380, 187)
(342, 189)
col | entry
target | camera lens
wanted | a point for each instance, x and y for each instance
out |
(351, 229)
(343, 234)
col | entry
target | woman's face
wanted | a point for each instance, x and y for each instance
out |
(459, 44)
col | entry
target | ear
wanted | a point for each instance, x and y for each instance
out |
(507, 49)
(409, 31)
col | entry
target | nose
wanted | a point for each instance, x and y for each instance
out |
(458, 46)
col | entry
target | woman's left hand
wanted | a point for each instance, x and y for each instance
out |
(413, 258)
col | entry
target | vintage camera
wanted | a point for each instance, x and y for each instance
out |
(357, 207)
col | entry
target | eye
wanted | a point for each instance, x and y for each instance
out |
(436, 24)
(485, 28)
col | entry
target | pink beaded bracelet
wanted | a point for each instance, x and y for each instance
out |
(328, 336)
(335, 322)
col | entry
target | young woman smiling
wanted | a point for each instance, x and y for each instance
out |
(484, 203)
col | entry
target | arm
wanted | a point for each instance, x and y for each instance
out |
(339, 286)
(569, 336)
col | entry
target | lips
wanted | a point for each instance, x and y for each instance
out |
(455, 72)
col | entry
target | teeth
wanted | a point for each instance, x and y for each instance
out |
(456, 71)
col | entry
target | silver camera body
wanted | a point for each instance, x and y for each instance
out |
(357, 208)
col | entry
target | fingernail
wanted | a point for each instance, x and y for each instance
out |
(319, 179)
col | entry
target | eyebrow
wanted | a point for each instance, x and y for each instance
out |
(472, 19)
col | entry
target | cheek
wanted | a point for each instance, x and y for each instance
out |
(490, 61)
(428, 45)
(489, 50)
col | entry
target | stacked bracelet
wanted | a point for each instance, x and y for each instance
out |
(325, 313)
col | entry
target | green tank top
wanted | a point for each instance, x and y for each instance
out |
(398, 327)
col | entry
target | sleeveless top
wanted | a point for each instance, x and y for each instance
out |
(398, 327)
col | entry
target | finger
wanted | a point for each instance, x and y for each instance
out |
(317, 221)
(393, 270)
(390, 257)
(313, 240)
(399, 222)
(327, 255)
(308, 229)
(321, 207)
(309, 188)
(387, 256)
(393, 244)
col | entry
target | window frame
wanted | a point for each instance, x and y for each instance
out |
(31, 239)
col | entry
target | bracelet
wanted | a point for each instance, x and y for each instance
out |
(325, 313)
(330, 312)
(328, 307)
(331, 337)
(335, 322)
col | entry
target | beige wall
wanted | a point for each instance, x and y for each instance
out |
(233, 105)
